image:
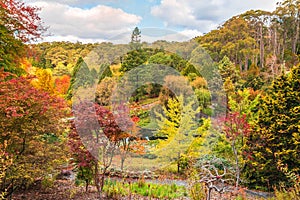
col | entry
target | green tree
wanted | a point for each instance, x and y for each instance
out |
(227, 69)
(288, 12)
(136, 58)
(173, 60)
(234, 39)
(258, 23)
(276, 137)
(136, 39)
(104, 72)
(229, 75)
(81, 77)
(245, 102)
(11, 51)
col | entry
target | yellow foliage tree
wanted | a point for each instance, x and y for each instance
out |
(179, 126)
(44, 80)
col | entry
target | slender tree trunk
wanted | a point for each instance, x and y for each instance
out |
(209, 193)
(283, 45)
(122, 163)
(275, 43)
(178, 163)
(246, 63)
(270, 38)
(261, 46)
(237, 168)
(241, 67)
(102, 181)
(96, 179)
(296, 37)
(86, 185)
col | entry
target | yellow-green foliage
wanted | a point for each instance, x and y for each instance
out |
(244, 103)
(199, 145)
(169, 124)
(5, 162)
(197, 191)
(293, 193)
(104, 90)
(115, 189)
(115, 69)
(276, 137)
(185, 136)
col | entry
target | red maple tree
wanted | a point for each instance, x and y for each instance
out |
(21, 19)
(236, 129)
(31, 125)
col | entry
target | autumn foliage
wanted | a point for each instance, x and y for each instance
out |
(19, 23)
(62, 84)
(21, 19)
(31, 126)
(236, 125)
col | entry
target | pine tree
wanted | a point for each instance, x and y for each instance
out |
(275, 141)
(136, 39)
(228, 70)
(81, 77)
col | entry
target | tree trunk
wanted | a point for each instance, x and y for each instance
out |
(275, 50)
(237, 168)
(96, 179)
(261, 46)
(209, 193)
(283, 45)
(296, 37)
(122, 163)
(246, 63)
(102, 182)
(178, 163)
(86, 185)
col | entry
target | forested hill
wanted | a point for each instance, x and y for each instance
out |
(257, 39)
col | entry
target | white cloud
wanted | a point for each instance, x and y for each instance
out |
(87, 21)
(204, 15)
(150, 35)
(191, 33)
(181, 36)
(77, 3)
(93, 23)
(70, 38)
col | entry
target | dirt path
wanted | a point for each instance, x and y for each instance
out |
(150, 105)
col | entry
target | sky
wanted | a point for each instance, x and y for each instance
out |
(113, 20)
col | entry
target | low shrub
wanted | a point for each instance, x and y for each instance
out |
(115, 189)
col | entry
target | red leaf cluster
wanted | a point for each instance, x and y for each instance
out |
(21, 19)
(20, 99)
(135, 119)
(62, 84)
(83, 158)
(91, 119)
(235, 125)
